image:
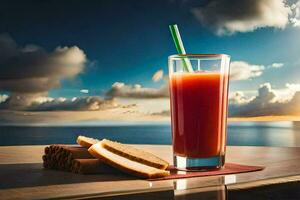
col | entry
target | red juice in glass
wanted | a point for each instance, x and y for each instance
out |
(199, 111)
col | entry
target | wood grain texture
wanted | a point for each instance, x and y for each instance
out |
(21, 168)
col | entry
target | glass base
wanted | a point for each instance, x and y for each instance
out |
(185, 163)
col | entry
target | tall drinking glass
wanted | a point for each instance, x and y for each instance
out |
(198, 99)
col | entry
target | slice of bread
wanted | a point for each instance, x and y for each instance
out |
(124, 164)
(135, 154)
(86, 141)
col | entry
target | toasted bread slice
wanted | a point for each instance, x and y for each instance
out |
(86, 141)
(124, 164)
(134, 154)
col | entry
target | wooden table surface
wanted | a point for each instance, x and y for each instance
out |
(22, 176)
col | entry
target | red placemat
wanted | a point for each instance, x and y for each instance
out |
(229, 168)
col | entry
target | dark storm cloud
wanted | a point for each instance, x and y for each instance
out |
(229, 16)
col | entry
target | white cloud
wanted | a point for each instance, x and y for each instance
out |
(3, 97)
(85, 91)
(91, 103)
(230, 16)
(295, 19)
(240, 70)
(293, 86)
(238, 98)
(266, 103)
(157, 76)
(30, 72)
(276, 65)
(38, 103)
(120, 89)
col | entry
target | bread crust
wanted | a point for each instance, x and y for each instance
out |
(85, 141)
(159, 173)
(158, 163)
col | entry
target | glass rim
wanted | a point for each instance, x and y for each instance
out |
(198, 56)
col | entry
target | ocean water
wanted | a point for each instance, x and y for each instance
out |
(250, 134)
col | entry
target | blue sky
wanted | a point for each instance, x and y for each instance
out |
(128, 41)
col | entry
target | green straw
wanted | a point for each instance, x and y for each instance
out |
(187, 66)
